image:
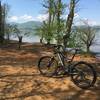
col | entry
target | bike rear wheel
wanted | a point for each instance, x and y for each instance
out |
(83, 75)
(47, 65)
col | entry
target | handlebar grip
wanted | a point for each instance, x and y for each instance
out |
(57, 46)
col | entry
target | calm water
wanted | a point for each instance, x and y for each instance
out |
(30, 39)
(94, 48)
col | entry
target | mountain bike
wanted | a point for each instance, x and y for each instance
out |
(81, 73)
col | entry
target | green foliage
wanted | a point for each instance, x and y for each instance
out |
(74, 40)
(8, 30)
(86, 35)
(2, 23)
(46, 32)
(53, 28)
(58, 35)
(19, 32)
(4, 9)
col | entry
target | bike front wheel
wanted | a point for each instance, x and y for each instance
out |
(83, 75)
(47, 65)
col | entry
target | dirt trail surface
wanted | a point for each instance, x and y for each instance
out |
(20, 78)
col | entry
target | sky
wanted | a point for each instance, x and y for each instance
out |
(28, 10)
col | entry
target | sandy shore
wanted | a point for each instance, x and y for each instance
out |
(21, 80)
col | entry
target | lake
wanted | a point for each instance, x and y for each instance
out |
(94, 48)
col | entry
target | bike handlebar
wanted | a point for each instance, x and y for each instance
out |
(66, 49)
(57, 46)
(71, 49)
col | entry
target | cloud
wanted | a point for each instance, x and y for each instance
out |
(76, 15)
(78, 20)
(90, 22)
(25, 18)
(42, 17)
(20, 19)
(84, 21)
(13, 18)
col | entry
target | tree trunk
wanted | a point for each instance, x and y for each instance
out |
(69, 22)
(20, 42)
(49, 21)
(48, 42)
(1, 25)
(41, 40)
(3, 21)
(58, 21)
(88, 49)
(8, 36)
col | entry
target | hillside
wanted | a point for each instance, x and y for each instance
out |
(29, 26)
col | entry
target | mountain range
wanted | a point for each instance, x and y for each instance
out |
(32, 25)
(29, 26)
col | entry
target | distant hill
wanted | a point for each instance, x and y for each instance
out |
(97, 27)
(29, 26)
(83, 27)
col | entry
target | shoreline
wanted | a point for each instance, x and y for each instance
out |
(39, 48)
(19, 76)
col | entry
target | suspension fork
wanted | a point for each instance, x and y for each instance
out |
(60, 56)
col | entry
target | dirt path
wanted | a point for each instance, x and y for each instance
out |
(20, 79)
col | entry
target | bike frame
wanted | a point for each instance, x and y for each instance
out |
(62, 58)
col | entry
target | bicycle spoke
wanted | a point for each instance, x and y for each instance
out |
(47, 66)
(83, 75)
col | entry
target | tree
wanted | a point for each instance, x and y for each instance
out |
(45, 31)
(69, 21)
(49, 5)
(8, 31)
(53, 27)
(0, 19)
(42, 31)
(58, 15)
(86, 35)
(20, 33)
(1, 24)
(3, 15)
(7, 27)
(59, 10)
